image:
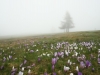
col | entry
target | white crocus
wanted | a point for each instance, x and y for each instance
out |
(77, 69)
(66, 68)
(76, 53)
(44, 54)
(68, 61)
(13, 68)
(37, 50)
(66, 52)
(71, 74)
(98, 50)
(22, 68)
(29, 71)
(48, 55)
(20, 73)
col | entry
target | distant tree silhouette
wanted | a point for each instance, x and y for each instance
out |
(67, 23)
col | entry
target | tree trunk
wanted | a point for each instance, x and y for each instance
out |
(68, 29)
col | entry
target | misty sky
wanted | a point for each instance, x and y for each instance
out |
(26, 17)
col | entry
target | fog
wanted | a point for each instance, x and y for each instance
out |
(31, 17)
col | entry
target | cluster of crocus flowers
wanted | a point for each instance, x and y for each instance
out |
(67, 49)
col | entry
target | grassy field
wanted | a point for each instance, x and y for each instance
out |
(74, 53)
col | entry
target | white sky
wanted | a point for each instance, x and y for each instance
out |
(25, 17)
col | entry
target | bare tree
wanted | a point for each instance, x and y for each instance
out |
(67, 23)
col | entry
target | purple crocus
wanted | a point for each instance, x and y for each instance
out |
(79, 73)
(82, 65)
(59, 54)
(54, 61)
(88, 63)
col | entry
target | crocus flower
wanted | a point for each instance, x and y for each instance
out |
(13, 71)
(10, 57)
(48, 55)
(79, 73)
(29, 72)
(77, 69)
(59, 54)
(88, 63)
(68, 61)
(98, 60)
(98, 50)
(20, 73)
(71, 74)
(66, 68)
(82, 64)
(22, 68)
(66, 53)
(54, 61)
(37, 50)
(44, 54)
(55, 54)
(4, 59)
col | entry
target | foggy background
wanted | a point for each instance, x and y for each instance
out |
(31, 17)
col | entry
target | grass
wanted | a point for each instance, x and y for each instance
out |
(19, 49)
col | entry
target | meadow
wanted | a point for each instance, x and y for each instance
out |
(73, 53)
